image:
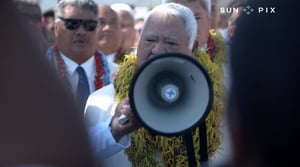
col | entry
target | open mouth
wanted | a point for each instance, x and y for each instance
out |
(80, 41)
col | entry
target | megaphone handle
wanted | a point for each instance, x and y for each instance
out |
(122, 119)
(203, 142)
(188, 139)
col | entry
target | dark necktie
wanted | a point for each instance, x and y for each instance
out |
(83, 89)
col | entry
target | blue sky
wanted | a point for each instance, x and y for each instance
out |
(48, 4)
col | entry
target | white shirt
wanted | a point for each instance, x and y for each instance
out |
(89, 67)
(111, 57)
(103, 143)
(98, 113)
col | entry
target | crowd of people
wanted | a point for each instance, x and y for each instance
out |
(85, 54)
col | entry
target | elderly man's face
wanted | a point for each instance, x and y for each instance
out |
(79, 43)
(162, 34)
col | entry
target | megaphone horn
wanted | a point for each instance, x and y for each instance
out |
(170, 94)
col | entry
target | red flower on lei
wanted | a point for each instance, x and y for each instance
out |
(211, 47)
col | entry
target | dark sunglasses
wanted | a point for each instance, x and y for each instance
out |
(74, 24)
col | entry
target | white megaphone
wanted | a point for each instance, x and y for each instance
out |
(171, 94)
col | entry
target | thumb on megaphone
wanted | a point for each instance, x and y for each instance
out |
(123, 119)
(123, 112)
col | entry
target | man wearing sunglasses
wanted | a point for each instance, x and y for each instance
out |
(80, 65)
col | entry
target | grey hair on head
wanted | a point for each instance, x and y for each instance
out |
(123, 7)
(206, 4)
(180, 11)
(86, 4)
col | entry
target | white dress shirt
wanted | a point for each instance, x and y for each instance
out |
(111, 57)
(103, 143)
(99, 109)
(89, 67)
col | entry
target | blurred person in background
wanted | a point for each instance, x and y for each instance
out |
(109, 34)
(138, 25)
(128, 32)
(48, 24)
(31, 12)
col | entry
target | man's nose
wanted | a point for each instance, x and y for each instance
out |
(106, 27)
(159, 48)
(81, 29)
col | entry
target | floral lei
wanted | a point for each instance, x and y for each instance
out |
(216, 48)
(102, 70)
(210, 51)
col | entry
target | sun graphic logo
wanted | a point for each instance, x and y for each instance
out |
(248, 10)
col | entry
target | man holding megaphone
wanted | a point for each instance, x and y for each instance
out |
(168, 28)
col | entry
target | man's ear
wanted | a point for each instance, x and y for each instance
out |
(195, 47)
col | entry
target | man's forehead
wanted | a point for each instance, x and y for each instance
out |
(107, 11)
(162, 19)
(78, 12)
(170, 35)
(108, 15)
(71, 9)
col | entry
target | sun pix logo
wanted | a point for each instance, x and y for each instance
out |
(248, 10)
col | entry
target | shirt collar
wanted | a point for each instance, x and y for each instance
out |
(111, 57)
(71, 65)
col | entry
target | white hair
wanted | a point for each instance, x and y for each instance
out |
(182, 12)
(86, 4)
(206, 4)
